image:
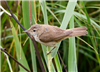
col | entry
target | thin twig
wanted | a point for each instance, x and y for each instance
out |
(30, 13)
(32, 38)
(4, 50)
(62, 62)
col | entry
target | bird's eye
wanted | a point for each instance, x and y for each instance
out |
(34, 30)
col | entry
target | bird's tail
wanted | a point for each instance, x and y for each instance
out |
(77, 31)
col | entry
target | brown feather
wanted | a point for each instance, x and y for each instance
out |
(54, 34)
(78, 31)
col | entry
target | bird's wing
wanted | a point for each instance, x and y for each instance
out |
(53, 35)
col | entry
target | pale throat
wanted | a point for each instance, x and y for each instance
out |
(33, 34)
(35, 37)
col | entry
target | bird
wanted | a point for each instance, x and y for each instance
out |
(49, 35)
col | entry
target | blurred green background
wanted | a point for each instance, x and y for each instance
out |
(86, 48)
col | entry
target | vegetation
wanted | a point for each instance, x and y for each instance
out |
(78, 53)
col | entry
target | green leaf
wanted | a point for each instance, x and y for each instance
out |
(19, 52)
(72, 62)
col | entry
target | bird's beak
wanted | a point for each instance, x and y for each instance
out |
(26, 31)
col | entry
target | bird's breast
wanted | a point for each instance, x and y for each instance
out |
(51, 44)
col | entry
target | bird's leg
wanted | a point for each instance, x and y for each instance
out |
(51, 50)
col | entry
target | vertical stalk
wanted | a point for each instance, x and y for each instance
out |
(72, 62)
(49, 60)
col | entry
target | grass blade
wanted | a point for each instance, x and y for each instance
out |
(72, 62)
(57, 62)
(43, 7)
(19, 52)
